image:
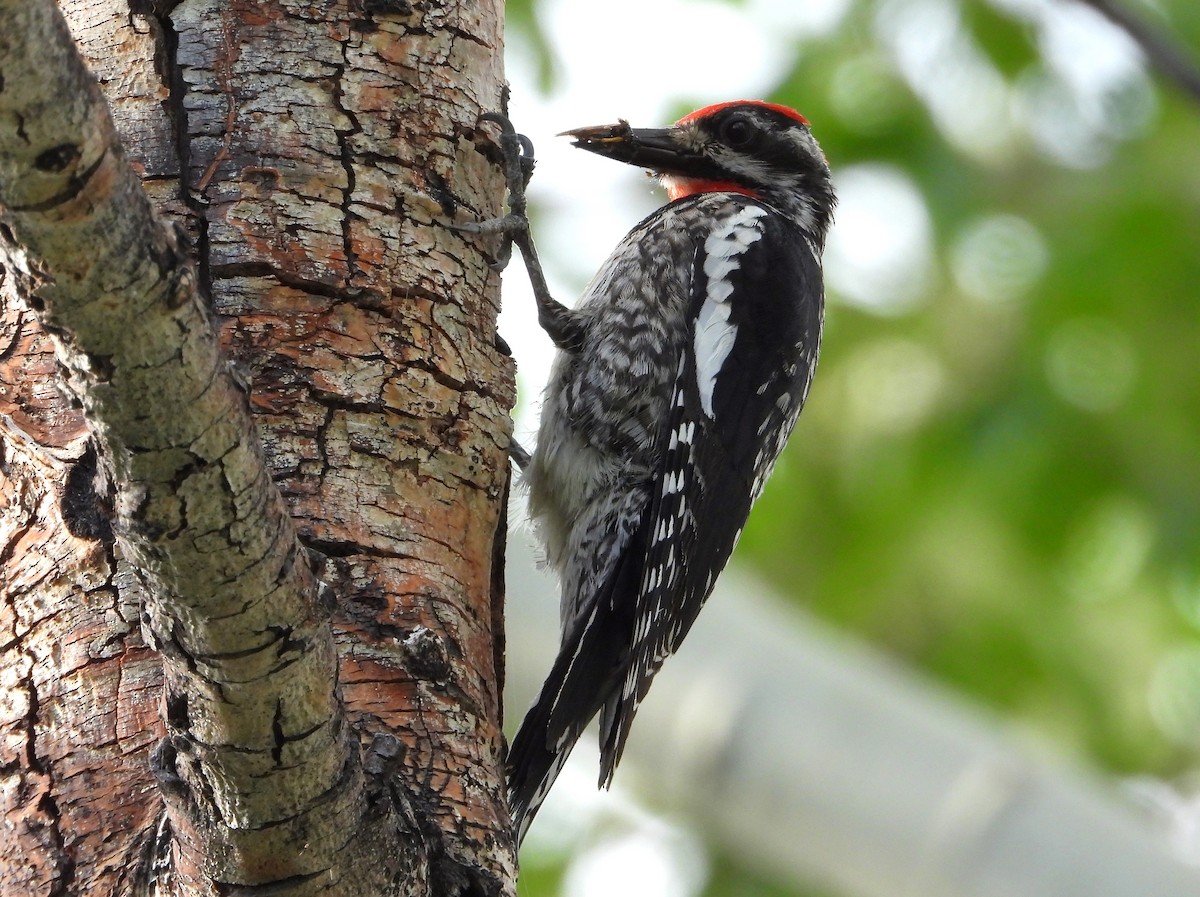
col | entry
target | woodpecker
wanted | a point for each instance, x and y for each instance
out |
(678, 379)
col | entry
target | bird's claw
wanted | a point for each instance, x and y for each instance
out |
(517, 150)
(519, 160)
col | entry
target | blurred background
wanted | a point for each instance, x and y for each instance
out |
(993, 494)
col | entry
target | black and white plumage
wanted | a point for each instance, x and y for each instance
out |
(679, 378)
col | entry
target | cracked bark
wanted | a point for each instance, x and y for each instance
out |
(286, 375)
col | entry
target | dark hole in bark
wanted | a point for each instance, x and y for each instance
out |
(85, 506)
(57, 158)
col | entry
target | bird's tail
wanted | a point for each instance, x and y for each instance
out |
(534, 762)
(585, 676)
(564, 707)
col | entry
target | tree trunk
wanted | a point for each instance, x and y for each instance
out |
(253, 449)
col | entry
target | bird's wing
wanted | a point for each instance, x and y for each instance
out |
(757, 308)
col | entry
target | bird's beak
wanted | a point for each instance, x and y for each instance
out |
(659, 149)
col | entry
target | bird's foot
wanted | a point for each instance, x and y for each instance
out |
(517, 152)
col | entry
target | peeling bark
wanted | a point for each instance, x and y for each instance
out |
(181, 699)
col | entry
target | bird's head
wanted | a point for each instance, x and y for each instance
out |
(745, 146)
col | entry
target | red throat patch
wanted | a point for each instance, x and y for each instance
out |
(678, 187)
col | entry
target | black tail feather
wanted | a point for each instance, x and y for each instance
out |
(586, 675)
(533, 763)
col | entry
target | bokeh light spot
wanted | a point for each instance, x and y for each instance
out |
(1107, 548)
(1090, 364)
(880, 250)
(892, 385)
(998, 258)
(656, 861)
(866, 93)
(1174, 695)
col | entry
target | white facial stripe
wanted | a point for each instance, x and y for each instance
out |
(715, 333)
(745, 169)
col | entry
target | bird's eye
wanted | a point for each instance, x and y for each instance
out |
(737, 133)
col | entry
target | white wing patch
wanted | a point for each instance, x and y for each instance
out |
(714, 332)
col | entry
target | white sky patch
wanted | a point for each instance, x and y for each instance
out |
(1055, 121)
(1079, 44)
(1086, 49)
(966, 95)
(1092, 90)
(797, 21)
(601, 45)
(879, 255)
(655, 861)
(1089, 91)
